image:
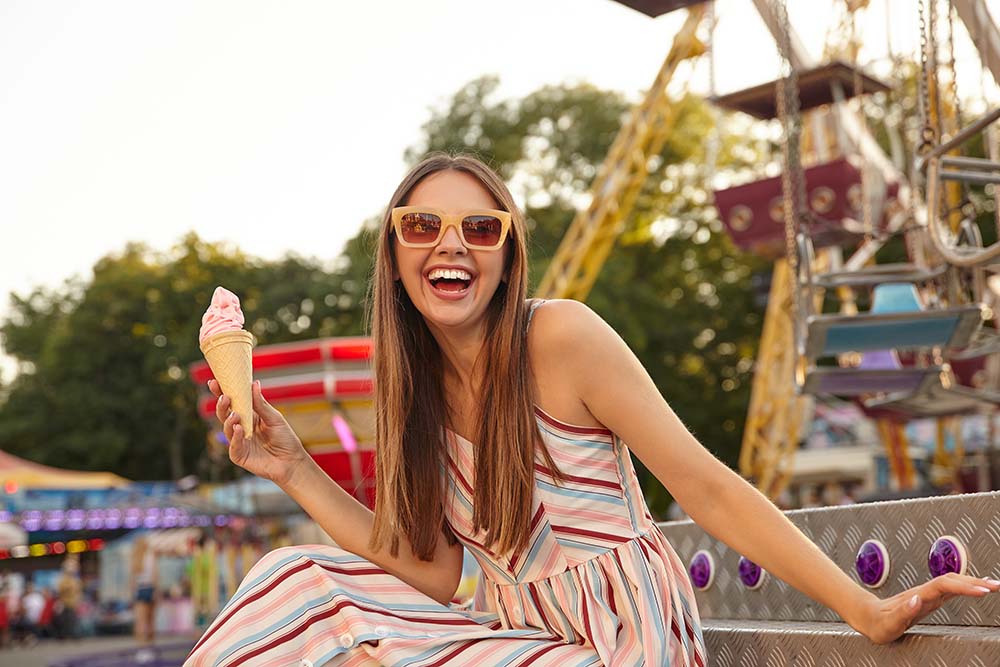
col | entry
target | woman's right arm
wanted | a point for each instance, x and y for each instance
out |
(276, 453)
(350, 523)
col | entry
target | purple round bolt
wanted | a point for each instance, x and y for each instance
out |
(872, 564)
(751, 574)
(702, 570)
(947, 555)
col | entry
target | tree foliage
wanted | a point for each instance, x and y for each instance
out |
(104, 383)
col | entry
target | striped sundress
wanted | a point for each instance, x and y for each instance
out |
(597, 584)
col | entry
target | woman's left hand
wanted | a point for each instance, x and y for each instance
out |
(884, 620)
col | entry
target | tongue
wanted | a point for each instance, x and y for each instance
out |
(448, 285)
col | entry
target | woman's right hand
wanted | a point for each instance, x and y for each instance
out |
(274, 452)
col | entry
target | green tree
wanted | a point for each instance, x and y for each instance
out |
(104, 382)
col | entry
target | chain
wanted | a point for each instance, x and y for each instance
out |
(714, 146)
(792, 178)
(928, 137)
(867, 215)
(951, 65)
(932, 60)
(968, 210)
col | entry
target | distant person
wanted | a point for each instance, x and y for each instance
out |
(4, 610)
(144, 590)
(46, 623)
(69, 590)
(32, 606)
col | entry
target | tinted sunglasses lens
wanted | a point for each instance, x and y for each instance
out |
(482, 230)
(420, 227)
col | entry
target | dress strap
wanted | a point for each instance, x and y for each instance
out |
(535, 303)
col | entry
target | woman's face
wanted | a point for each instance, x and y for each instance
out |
(450, 303)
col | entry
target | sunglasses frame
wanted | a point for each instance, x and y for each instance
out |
(450, 220)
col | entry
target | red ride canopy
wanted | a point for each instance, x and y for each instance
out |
(310, 382)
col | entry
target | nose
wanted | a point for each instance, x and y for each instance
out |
(451, 242)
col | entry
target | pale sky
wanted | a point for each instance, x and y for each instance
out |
(280, 126)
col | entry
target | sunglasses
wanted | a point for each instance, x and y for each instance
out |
(423, 227)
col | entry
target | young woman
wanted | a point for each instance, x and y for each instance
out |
(509, 441)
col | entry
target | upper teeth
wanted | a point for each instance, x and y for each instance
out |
(452, 274)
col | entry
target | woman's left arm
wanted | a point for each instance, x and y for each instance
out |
(620, 394)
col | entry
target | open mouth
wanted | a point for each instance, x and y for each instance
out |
(450, 281)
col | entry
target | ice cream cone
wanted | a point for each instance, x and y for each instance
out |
(230, 355)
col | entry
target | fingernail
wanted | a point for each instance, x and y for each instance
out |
(982, 589)
(993, 582)
(914, 601)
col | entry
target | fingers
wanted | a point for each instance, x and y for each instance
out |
(237, 445)
(958, 584)
(223, 407)
(267, 412)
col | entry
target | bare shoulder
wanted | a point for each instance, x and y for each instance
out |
(561, 340)
(565, 327)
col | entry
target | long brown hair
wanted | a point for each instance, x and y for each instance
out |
(410, 411)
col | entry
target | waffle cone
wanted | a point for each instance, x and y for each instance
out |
(230, 355)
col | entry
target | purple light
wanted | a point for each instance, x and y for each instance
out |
(5, 516)
(872, 563)
(345, 434)
(751, 574)
(150, 523)
(702, 570)
(131, 522)
(221, 520)
(113, 524)
(947, 555)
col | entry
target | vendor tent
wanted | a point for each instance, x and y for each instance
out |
(26, 474)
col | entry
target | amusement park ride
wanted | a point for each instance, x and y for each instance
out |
(838, 192)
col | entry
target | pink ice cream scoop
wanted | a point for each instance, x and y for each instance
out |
(223, 315)
(228, 348)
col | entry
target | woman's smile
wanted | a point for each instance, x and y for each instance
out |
(449, 283)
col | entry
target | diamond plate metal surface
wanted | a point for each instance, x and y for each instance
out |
(783, 644)
(906, 527)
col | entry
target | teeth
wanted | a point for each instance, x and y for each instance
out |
(451, 274)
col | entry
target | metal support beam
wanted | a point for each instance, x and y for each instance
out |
(983, 31)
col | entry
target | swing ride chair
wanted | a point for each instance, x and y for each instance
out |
(896, 315)
(937, 166)
(753, 212)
